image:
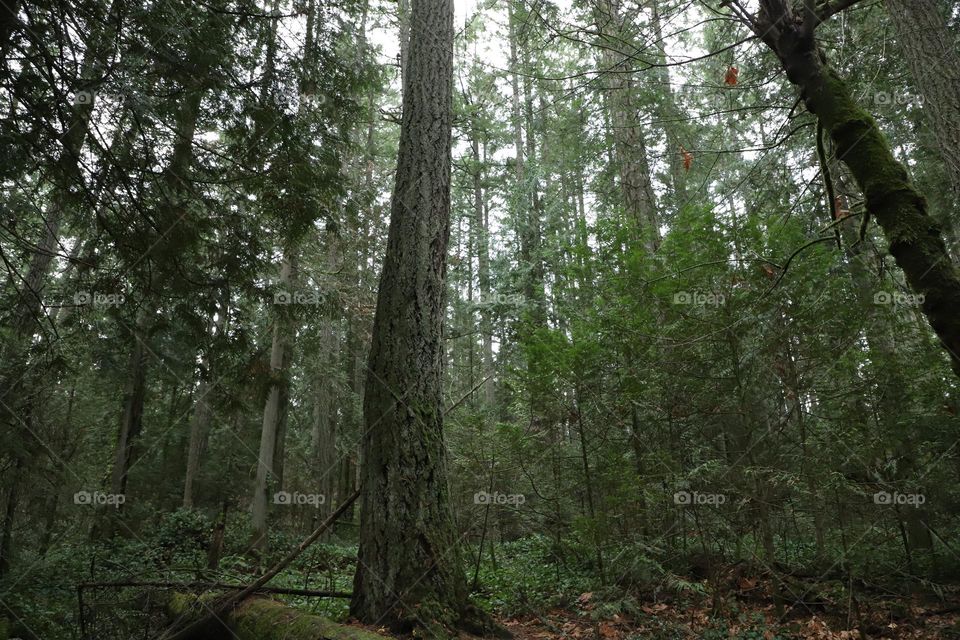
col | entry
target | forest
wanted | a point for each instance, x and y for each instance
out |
(533, 319)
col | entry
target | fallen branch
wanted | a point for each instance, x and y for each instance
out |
(194, 586)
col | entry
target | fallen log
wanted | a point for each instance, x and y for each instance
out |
(219, 610)
(259, 618)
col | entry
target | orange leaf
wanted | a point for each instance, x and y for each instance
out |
(732, 76)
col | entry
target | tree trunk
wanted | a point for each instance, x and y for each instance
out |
(669, 113)
(409, 573)
(200, 421)
(266, 477)
(934, 61)
(629, 144)
(134, 396)
(324, 433)
(483, 267)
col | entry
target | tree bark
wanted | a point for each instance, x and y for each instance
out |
(409, 573)
(481, 232)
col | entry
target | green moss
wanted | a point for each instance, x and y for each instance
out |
(265, 619)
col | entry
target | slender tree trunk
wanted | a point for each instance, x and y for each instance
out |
(200, 421)
(481, 231)
(134, 396)
(629, 141)
(266, 478)
(324, 433)
(669, 112)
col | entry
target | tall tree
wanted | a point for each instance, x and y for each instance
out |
(408, 572)
(931, 53)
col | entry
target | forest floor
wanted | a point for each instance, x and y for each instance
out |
(760, 623)
(880, 619)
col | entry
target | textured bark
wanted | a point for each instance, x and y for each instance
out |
(409, 573)
(914, 238)
(934, 62)
(403, 17)
(272, 409)
(630, 145)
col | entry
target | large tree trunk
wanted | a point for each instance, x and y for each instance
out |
(409, 573)
(934, 61)
(915, 239)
